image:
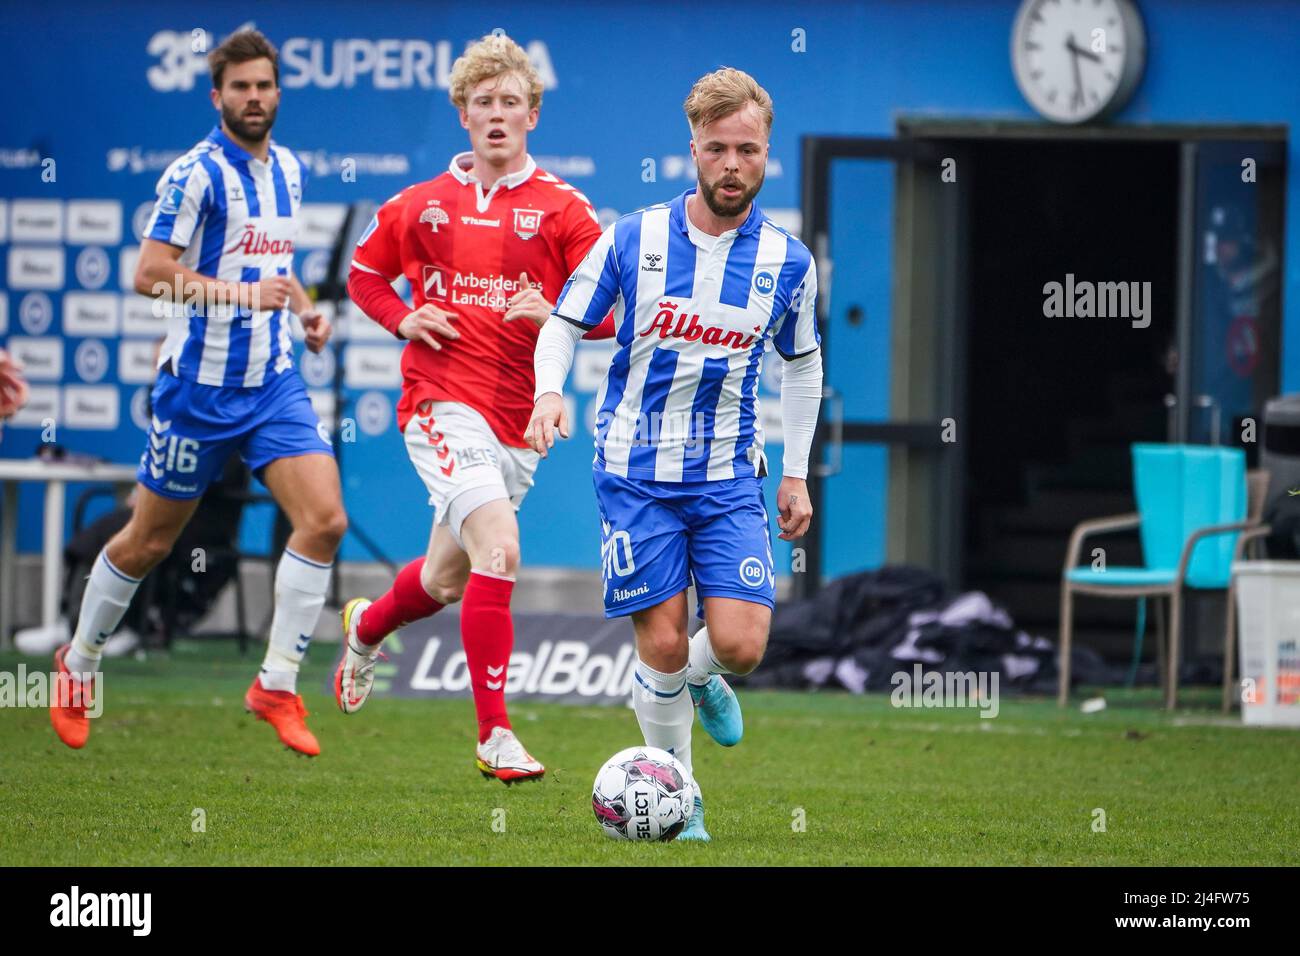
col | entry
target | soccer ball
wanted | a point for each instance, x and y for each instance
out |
(643, 793)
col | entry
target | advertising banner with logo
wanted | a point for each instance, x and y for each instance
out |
(365, 107)
(565, 658)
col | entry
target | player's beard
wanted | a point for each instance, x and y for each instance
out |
(245, 131)
(728, 208)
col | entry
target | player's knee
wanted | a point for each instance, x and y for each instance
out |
(746, 657)
(327, 528)
(336, 526)
(443, 588)
(138, 550)
(148, 554)
(664, 649)
(504, 558)
(501, 556)
(740, 649)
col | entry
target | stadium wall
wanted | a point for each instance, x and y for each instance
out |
(103, 96)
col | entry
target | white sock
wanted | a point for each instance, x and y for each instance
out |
(300, 586)
(108, 594)
(702, 664)
(664, 710)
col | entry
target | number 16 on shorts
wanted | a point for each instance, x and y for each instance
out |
(171, 453)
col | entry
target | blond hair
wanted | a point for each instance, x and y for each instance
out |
(494, 55)
(722, 93)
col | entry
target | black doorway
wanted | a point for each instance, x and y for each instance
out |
(1053, 403)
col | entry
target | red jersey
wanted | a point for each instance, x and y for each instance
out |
(462, 249)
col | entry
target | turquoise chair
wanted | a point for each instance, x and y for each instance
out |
(1193, 503)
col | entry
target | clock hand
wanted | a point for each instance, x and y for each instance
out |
(1077, 97)
(1075, 48)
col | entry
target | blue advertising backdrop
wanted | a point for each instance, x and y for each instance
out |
(111, 93)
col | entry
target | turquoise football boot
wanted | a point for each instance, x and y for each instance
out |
(694, 829)
(719, 711)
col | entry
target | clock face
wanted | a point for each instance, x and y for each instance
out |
(1076, 60)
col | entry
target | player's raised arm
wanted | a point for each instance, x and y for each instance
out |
(798, 342)
(376, 262)
(184, 199)
(584, 302)
(551, 363)
(316, 326)
(160, 274)
(580, 232)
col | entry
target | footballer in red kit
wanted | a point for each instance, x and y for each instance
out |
(486, 247)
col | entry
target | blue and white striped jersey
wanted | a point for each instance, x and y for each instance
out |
(692, 317)
(236, 218)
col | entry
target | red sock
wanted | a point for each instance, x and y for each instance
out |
(405, 601)
(488, 634)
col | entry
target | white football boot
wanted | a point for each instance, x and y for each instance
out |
(504, 757)
(355, 677)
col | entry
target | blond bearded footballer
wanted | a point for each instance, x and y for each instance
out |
(700, 286)
(486, 247)
(222, 233)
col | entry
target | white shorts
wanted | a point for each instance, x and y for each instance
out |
(463, 463)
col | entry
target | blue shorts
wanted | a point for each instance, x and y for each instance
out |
(659, 536)
(196, 428)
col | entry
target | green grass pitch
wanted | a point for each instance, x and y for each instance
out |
(819, 779)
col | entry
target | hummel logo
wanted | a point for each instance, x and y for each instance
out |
(495, 672)
(651, 264)
(1293, 492)
(160, 426)
(301, 646)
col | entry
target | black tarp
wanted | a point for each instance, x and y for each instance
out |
(860, 630)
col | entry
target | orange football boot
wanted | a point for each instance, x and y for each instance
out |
(285, 712)
(68, 704)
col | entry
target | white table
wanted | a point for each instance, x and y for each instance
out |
(55, 476)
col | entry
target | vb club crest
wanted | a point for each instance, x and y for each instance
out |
(528, 222)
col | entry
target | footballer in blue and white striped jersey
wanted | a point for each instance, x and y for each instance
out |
(236, 217)
(693, 314)
(699, 287)
(217, 256)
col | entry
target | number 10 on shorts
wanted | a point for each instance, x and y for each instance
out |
(616, 553)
